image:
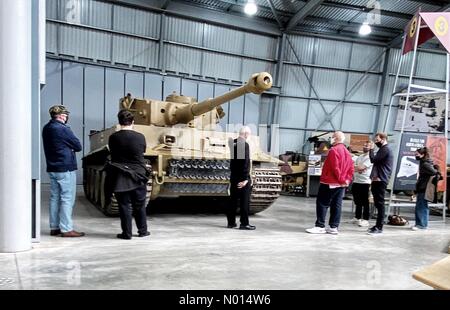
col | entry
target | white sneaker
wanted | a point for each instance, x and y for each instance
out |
(354, 220)
(414, 228)
(333, 231)
(363, 223)
(316, 230)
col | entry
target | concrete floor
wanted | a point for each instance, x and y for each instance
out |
(195, 251)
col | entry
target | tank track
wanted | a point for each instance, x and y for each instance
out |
(94, 184)
(211, 178)
(266, 188)
(266, 181)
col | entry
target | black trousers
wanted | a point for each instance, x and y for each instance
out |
(132, 203)
(329, 198)
(361, 200)
(378, 192)
(239, 198)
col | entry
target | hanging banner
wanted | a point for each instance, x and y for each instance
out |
(407, 169)
(438, 23)
(411, 33)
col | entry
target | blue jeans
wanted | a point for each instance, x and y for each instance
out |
(422, 211)
(63, 187)
(329, 198)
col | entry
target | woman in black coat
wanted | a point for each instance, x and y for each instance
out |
(426, 171)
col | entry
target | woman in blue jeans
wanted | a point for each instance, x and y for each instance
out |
(426, 171)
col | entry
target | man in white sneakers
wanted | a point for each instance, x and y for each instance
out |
(337, 173)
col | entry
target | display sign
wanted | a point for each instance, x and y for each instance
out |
(357, 142)
(315, 165)
(425, 114)
(407, 165)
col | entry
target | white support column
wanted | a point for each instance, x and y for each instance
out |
(15, 125)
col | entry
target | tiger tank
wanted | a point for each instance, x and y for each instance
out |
(187, 155)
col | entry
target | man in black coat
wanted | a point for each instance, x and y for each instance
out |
(127, 174)
(240, 181)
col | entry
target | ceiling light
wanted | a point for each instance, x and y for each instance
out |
(365, 29)
(250, 8)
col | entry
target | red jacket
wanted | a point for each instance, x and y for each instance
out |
(338, 167)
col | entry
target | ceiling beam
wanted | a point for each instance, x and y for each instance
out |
(165, 4)
(432, 2)
(365, 9)
(275, 14)
(342, 23)
(306, 10)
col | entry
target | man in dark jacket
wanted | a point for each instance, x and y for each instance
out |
(240, 181)
(128, 175)
(380, 175)
(60, 146)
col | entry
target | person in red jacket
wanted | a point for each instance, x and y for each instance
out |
(337, 173)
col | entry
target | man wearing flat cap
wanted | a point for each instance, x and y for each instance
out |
(60, 146)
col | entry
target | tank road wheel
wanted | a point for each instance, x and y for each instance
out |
(266, 188)
(109, 204)
(97, 189)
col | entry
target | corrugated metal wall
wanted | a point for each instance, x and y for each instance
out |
(105, 32)
(334, 68)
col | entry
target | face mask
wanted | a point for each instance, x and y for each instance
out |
(379, 144)
(366, 149)
(418, 157)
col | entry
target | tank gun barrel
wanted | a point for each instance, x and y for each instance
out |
(257, 84)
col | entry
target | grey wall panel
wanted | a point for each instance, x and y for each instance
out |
(99, 46)
(133, 51)
(52, 9)
(183, 59)
(222, 66)
(394, 61)
(330, 84)
(114, 90)
(74, 41)
(367, 91)
(222, 39)
(440, 85)
(134, 84)
(153, 86)
(293, 112)
(363, 56)
(358, 117)
(260, 46)
(171, 84)
(290, 140)
(94, 103)
(333, 53)
(252, 111)
(236, 112)
(50, 96)
(189, 88)
(294, 81)
(304, 48)
(86, 12)
(136, 21)
(317, 115)
(205, 91)
(220, 90)
(184, 31)
(430, 65)
(73, 99)
(254, 66)
(51, 41)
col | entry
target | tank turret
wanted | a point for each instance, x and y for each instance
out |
(179, 109)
